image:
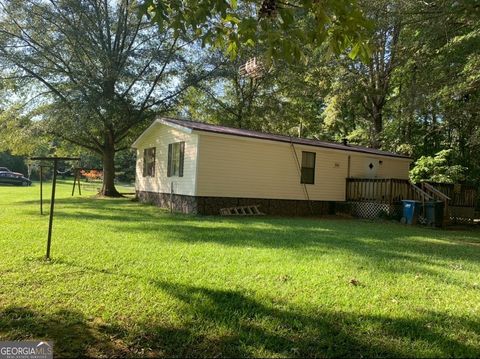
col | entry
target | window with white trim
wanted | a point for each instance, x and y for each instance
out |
(308, 167)
(176, 154)
(149, 162)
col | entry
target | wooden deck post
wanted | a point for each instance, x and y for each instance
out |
(390, 192)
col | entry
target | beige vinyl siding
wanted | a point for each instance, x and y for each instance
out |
(231, 166)
(218, 165)
(388, 167)
(391, 168)
(160, 136)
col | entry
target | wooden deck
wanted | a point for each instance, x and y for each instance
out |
(371, 196)
(394, 190)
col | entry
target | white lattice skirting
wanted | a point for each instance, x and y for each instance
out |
(375, 210)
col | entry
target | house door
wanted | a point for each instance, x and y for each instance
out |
(371, 166)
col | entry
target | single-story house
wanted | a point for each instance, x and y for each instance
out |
(194, 167)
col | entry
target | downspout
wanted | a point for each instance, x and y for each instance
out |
(348, 167)
(299, 168)
(347, 183)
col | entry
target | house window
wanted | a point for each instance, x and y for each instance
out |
(176, 154)
(308, 167)
(149, 162)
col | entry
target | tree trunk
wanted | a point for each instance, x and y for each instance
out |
(108, 188)
(377, 125)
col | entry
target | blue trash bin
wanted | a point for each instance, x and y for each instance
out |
(410, 211)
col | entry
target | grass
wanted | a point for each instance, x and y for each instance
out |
(132, 280)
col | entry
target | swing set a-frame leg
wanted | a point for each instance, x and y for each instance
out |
(76, 179)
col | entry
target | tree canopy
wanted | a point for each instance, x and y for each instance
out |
(284, 28)
(88, 72)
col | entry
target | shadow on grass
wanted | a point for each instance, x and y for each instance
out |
(251, 327)
(213, 323)
(68, 330)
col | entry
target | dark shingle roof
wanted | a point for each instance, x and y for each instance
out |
(200, 126)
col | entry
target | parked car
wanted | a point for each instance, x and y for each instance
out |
(5, 169)
(13, 178)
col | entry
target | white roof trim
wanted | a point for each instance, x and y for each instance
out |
(178, 127)
(159, 121)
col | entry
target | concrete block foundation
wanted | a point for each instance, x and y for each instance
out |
(212, 205)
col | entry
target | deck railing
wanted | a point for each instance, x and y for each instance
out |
(381, 190)
(461, 195)
(394, 190)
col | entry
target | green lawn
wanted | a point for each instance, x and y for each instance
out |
(132, 280)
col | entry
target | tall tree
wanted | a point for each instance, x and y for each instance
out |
(437, 88)
(281, 99)
(90, 70)
(359, 90)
